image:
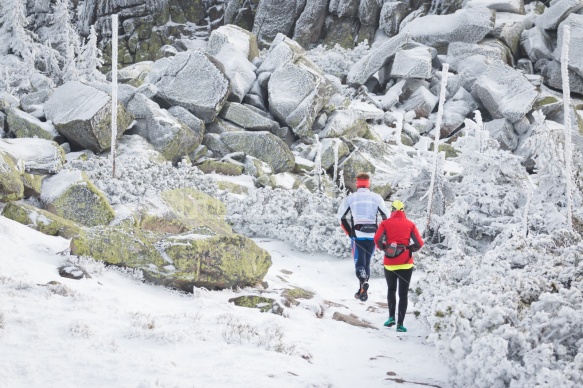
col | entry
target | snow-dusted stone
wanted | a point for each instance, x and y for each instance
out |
(40, 156)
(256, 167)
(238, 69)
(456, 110)
(7, 100)
(391, 97)
(82, 114)
(284, 180)
(422, 102)
(3, 125)
(391, 16)
(41, 220)
(247, 117)
(283, 51)
(346, 123)
(575, 23)
(262, 145)
(125, 92)
(239, 13)
(509, 28)
(413, 63)
(537, 44)
(197, 82)
(369, 12)
(551, 72)
(31, 101)
(158, 69)
(333, 150)
(505, 92)
(367, 66)
(309, 25)
(213, 142)
(557, 12)
(71, 195)
(303, 165)
(236, 36)
(454, 83)
(194, 123)
(219, 126)
(297, 93)
(366, 110)
(465, 25)
(171, 137)
(21, 124)
(503, 131)
(369, 156)
(344, 8)
(11, 186)
(210, 166)
(273, 17)
(136, 73)
(514, 6)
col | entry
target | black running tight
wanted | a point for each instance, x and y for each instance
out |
(402, 277)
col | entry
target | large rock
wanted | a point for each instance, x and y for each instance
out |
(41, 220)
(284, 180)
(422, 102)
(82, 114)
(283, 50)
(340, 31)
(262, 145)
(368, 65)
(413, 63)
(195, 81)
(309, 25)
(33, 101)
(21, 124)
(297, 93)
(344, 123)
(505, 92)
(537, 44)
(458, 52)
(369, 12)
(369, 156)
(243, 40)
(40, 156)
(553, 77)
(557, 12)
(72, 196)
(273, 17)
(456, 110)
(575, 23)
(215, 144)
(11, 187)
(344, 8)
(240, 13)
(169, 136)
(503, 131)
(247, 117)
(509, 28)
(391, 16)
(515, 6)
(332, 152)
(194, 123)
(238, 69)
(466, 25)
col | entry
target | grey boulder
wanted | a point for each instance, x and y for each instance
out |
(247, 117)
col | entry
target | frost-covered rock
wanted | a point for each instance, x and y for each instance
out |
(135, 74)
(369, 12)
(505, 92)
(219, 126)
(297, 93)
(333, 151)
(503, 131)
(460, 51)
(262, 145)
(456, 110)
(283, 51)
(31, 101)
(466, 25)
(157, 71)
(344, 8)
(41, 220)
(11, 187)
(21, 124)
(82, 114)
(169, 136)
(273, 17)
(515, 6)
(7, 100)
(70, 194)
(197, 82)
(413, 63)
(575, 23)
(310, 23)
(247, 118)
(303, 165)
(238, 69)
(509, 28)
(210, 166)
(551, 72)
(213, 142)
(557, 12)
(284, 180)
(422, 102)
(344, 123)
(40, 156)
(256, 167)
(194, 123)
(391, 16)
(368, 156)
(236, 36)
(367, 66)
(537, 44)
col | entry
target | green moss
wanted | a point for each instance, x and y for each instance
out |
(210, 166)
(340, 31)
(32, 184)
(11, 186)
(298, 293)
(232, 187)
(450, 151)
(41, 220)
(254, 301)
(439, 314)
(547, 100)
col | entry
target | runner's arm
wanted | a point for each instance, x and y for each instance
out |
(378, 237)
(417, 240)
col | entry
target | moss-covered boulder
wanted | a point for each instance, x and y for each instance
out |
(72, 196)
(213, 262)
(262, 303)
(224, 168)
(233, 187)
(41, 220)
(22, 124)
(32, 185)
(292, 295)
(11, 187)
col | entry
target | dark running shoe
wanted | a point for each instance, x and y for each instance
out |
(401, 329)
(390, 322)
(363, 292)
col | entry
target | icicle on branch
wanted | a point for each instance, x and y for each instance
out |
(114, 27)
(567, 123)
(444, 73)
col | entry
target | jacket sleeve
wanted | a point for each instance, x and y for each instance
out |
(378, 237)
(417, 240)
(342, 216)
(382, 208)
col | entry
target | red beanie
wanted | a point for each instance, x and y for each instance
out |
(362, 183)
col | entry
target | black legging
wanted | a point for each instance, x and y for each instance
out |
(403, 277)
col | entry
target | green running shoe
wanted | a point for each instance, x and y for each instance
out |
(401, 329)
(390, 322)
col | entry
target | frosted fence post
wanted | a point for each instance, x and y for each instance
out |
(318, 161)
(480, 130)
(114, 27)
(567, 124)
(444, 73)
(335, 162)
(400, 118)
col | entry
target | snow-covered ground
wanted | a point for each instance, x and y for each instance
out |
(114, 331)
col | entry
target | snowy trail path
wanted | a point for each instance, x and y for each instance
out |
(114, 331)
